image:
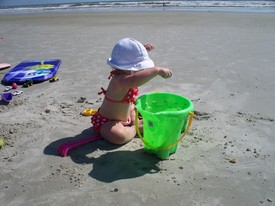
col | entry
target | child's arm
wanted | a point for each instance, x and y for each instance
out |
(141, 77)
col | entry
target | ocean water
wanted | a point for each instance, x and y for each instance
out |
(51, 6)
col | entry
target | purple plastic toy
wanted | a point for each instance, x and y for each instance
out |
(6, 96)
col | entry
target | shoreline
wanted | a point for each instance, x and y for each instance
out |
(4, 12)
(154, 6)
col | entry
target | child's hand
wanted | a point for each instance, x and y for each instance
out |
(165, 72)
(149, 47)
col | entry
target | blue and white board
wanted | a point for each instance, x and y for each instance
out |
(36, 70)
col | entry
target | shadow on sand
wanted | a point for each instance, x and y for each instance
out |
(113, 164)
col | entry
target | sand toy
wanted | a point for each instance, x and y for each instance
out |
(89, 112)
(8, 88)
(64, 148)
(15, 93)
(14, 85)
(54, 79)
(165, 117)
(6, 96)
(28, 84)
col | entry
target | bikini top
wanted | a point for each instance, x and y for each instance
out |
(128, 98)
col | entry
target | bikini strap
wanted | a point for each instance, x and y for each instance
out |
(103, 91)
(112, 73)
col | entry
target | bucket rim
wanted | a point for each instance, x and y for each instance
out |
(188, 109)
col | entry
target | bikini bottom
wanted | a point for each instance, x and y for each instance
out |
(98, 121)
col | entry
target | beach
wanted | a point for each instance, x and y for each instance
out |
(222, 61)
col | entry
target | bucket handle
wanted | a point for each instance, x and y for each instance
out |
(191, 115)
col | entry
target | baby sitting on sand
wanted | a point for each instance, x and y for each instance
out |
(131, 68)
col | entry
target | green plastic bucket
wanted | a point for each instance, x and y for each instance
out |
(165, 117)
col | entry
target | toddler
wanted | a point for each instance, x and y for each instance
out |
(131, 68)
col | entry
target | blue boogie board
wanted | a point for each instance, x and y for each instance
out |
(36, 70)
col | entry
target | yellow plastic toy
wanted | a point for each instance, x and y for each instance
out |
(89, 112)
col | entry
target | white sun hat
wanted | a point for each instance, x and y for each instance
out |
(129, 54)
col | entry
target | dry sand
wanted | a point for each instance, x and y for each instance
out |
(223, 62)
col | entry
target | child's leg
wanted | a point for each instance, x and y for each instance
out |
(116, 133)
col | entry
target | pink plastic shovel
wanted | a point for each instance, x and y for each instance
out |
(64, 148)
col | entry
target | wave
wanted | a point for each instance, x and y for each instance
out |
(97, 6)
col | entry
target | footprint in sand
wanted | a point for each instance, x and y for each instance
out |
(201, 115)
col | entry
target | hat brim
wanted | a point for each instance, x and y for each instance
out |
(147, 63)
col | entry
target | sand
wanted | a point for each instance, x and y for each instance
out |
(223, 62)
